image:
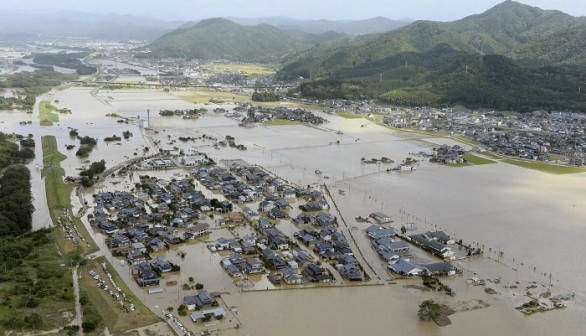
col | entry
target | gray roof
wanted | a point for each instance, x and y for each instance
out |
(404, 267)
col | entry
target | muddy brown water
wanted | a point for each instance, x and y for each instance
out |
(535, 219)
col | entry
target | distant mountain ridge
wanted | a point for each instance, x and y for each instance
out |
(27, 26)
(377, 24)
(219, 38)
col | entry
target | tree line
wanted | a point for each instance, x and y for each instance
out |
(16, 208)
(32, 84)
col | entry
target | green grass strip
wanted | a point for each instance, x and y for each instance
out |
(477, 160)
(546, 167)
(46, 114)
(349, 115)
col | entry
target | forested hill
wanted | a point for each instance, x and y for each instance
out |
(566, 47)
(499, 30)
(512, 56)
(223, 39)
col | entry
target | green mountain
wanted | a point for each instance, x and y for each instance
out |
(566, 47)
(224, 39)
(444, 76)
(481, 60)
(496, 31)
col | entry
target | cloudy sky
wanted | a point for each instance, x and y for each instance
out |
(440, 10)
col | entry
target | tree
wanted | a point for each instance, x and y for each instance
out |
(182, 310)
(429, 310)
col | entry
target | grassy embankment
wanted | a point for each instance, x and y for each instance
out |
(472, 160)
(349, 115)
(546, 167)
(58, 194)
(491, 155)
(47, 115)
(114, 317)
(282, 122)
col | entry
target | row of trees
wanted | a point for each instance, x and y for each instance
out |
(69, 61)
(16, 208)
(87, 176)
(11, 153)
(33, 84)
(265, 96)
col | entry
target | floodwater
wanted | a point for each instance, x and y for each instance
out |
(535, 219)
(88, 116)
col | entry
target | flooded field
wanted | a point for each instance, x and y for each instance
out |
(500, 208)
(535, 219)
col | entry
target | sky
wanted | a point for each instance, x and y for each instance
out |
(185, 10)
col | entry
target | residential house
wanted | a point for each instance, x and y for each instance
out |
(200, 300)
(440, 268)
(316, 273)
(135, 256)
(291, 277)
(274, 278)
(376, 232)
(433, 246)
(162, 265)
(440, 236)
(200, 229)
(263, 223)
(381, 217)
(405, 268)
(217, 313)
(147, 277)
(230, 268)
(253, 266)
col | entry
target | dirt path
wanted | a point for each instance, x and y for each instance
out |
(78, 314)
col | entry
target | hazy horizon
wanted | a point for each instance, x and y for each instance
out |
(178, 10)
